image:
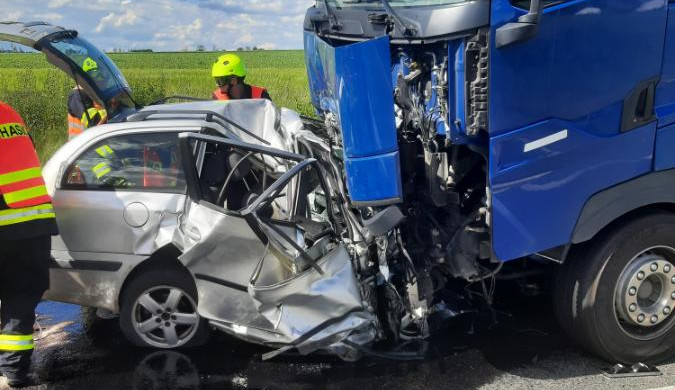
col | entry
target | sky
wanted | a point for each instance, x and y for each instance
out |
(171, 25)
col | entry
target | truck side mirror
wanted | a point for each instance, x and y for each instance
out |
(525, 28)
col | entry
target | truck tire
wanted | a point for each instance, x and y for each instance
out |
(615, 296)
(158, 309)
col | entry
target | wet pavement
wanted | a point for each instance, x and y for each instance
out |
(76, 350)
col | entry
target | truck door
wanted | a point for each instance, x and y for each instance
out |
(570, 113)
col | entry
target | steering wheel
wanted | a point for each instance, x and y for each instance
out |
(223, 190)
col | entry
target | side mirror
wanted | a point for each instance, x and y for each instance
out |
(525, 28)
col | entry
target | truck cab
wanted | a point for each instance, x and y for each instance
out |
(513, 130)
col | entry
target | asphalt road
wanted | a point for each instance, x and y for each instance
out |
(525, 350)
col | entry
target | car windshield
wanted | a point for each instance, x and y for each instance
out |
(397, 3)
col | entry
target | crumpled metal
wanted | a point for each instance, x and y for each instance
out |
(311, 308)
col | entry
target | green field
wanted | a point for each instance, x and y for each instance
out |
(38, 90)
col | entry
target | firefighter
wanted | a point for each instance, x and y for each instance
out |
(229, 73)
(78, 102)
(27, 222)
(83, 112)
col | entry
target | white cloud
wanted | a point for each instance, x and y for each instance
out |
(14, 15)
(57, 3)
(173, 24)
(128, 18)
(268, 46)
(245, 39)
(49, 16)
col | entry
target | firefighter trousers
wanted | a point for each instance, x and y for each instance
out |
(24, 277)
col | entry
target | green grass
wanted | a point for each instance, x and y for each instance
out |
(38, 90)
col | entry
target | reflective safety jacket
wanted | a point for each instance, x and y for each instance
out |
(93, 116)
(256, 93)
(25, 207)
(75, 127)
(82, 113)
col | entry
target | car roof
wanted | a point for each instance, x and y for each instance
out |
(255, 121)
(250, 120)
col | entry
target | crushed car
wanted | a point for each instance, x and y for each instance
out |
(190, 216)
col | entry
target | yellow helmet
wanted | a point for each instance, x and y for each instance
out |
(89, 64)
(228, 65)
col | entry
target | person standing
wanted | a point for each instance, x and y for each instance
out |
(229, 72)
(78, 102)
(27, 222)
(83, 112)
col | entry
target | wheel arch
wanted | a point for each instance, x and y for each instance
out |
(165, 257)
(616, 205)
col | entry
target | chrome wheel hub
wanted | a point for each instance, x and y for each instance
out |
(645, 294)
(165, 317)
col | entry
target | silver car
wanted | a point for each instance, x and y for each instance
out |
(121, 234)
(185, 217)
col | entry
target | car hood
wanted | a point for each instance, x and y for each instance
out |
(64, 49)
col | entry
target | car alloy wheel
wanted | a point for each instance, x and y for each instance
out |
(165, 317)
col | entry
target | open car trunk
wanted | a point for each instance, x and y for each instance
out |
(262, 243)
(101, 79)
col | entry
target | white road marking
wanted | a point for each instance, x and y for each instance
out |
(541, 142)
(664, 388)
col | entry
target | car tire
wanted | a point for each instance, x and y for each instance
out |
(158, 309)
(614, 296)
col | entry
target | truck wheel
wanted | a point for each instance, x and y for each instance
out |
(616, 297)
(159, 309)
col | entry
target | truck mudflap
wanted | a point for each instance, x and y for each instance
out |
(352, 84)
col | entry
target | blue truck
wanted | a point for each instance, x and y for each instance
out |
(506, 132)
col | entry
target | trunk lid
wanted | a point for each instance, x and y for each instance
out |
(89, 67)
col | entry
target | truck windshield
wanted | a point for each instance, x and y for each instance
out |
(397, 3)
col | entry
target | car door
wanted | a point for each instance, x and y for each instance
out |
(570, 113)
(118, 201)
(270, 267)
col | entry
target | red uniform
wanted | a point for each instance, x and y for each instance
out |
(26, 223)
(256, 93)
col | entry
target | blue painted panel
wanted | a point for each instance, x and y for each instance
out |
(574, 75)
(362, 99)
(665, 91)
(320, 61)
(588, 55)
(456, 79)
(664, 153)
(362, 94)
(374, 178)
(538, 195)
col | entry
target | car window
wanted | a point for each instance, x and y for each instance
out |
(139, 162)
(231, 178)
